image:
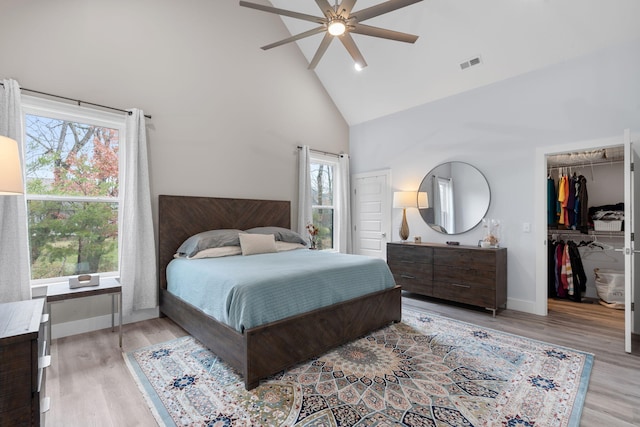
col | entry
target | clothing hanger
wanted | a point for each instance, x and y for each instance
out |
(600, 245)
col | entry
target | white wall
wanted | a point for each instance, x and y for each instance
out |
(227, 116)
(497, 129)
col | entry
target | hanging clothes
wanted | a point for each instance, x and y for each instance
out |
(566, 258)
(551, 202)
(583, 224)
(571, 202)
(559, 285)
(579, 275)
(562, 199)
(566, 276)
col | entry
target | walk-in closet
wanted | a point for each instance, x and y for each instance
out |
(585, 219)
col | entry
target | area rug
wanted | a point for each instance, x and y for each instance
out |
(425, 371)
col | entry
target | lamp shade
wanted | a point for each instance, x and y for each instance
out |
(10, 172)
(423, 200)
(404, 199)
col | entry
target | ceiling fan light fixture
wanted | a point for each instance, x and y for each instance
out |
(337, 27)
(340, 21)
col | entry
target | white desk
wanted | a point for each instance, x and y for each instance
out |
(108, 285)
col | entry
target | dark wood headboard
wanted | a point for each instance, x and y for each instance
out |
(180, 217)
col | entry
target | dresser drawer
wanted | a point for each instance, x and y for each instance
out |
(466, 294)
(479, 278)
(420, 284)
(409, 254)
(484, 260)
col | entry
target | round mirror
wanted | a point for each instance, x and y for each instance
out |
(453, 197)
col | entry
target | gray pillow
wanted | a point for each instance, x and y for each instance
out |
(281, 234)
(209, 239)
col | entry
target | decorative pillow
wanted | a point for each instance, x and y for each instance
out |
(253, 244)
(286, 246)
(209, 239)
(281, 234)
(218, 252)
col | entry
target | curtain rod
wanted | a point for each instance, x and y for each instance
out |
(78, 101)
(322, 152)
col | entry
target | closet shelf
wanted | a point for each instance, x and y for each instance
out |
(590, 233)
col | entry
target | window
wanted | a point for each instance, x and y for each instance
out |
(445, 191)
(323, 193)
(72, 189)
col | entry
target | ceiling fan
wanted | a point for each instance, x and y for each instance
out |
(339, 21)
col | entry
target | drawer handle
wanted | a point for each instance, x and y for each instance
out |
(44, 362)
(407, 262)
(460, 286)
(45, 404)
(406, 276)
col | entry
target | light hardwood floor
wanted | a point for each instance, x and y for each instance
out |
(90, 385)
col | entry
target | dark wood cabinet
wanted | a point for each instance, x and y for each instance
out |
(465, 274)
(22, 362)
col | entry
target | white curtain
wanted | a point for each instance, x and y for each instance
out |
(304, 191)
(137, 248)
(343, 227)
(14, 252)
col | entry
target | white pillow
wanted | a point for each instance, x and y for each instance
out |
(288, 246)
(252, 244)
(217, 252)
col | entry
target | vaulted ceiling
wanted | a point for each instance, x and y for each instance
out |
(510, 37)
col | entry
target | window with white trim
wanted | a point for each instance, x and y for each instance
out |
(72, 170)
(324, 178)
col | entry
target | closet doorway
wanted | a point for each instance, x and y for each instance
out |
(602, 167)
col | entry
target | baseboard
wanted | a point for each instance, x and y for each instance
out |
(59, 330)
(522, 305)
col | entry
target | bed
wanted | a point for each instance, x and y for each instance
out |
(257, 352)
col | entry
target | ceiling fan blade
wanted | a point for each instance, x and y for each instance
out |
(381, 9)
(294, 38)
(345, 8)
(368, 30)
(326, 41)
(353, 50)
(283, 12)
(326, 8)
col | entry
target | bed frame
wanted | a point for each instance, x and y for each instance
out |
(268, 349)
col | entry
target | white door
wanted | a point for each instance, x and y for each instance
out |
(371, 213)
(631, 245)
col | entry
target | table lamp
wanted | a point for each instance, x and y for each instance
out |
(404, 200)
(10, 172)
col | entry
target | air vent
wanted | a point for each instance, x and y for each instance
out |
(470, 63)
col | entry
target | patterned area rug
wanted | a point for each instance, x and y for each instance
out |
(425, 371)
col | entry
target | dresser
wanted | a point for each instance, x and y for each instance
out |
(464, 274)
(23, 361)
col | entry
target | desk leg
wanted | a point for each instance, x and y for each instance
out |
(113, 311)
(120, 317)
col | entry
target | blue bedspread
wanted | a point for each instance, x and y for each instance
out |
(249, 291)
